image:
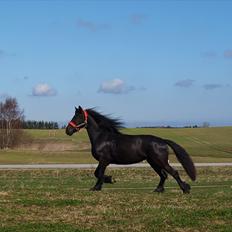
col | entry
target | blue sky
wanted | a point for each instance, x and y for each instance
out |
(147, 62)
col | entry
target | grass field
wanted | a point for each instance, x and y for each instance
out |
(54, 146)
(59, 200)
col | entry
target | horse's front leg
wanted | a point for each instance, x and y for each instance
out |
(107, 179)
(101, 178)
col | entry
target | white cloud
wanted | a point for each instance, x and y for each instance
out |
(43, 89)
(115, 86)
(212, 86)
(185, 83)
(92, 26)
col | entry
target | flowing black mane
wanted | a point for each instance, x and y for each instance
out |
(105, 121)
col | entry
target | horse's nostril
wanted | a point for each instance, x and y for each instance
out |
(67, 132)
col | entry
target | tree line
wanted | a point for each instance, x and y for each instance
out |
(32, 124)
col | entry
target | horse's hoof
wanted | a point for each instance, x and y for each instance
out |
(159, 190)
(186, 188)
(109, 180)
(95, 189)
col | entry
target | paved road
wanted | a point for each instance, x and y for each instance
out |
(93, 166)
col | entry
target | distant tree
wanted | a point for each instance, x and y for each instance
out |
(55, 125)
(64, 126)
(205, 124)
(11, 118)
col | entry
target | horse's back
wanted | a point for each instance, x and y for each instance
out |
(128, 149)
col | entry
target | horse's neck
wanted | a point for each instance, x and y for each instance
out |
(92, 129)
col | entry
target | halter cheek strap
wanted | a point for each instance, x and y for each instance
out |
(81, 125)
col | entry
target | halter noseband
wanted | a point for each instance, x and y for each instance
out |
(81, 125)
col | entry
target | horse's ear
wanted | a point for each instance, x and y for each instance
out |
(80, 109)
(77, 110)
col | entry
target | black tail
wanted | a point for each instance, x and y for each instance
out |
(183, 158)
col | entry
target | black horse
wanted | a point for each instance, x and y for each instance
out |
(110, 146)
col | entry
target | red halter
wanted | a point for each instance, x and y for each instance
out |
(81, 125)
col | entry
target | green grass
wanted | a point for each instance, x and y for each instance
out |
(44, 227)
(59, 200)
(54, 146)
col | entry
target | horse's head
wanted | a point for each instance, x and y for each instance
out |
(78, 121)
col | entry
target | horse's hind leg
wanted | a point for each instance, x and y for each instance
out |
(184, 186)
(163, 176)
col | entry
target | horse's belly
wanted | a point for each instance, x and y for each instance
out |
(128, 158)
